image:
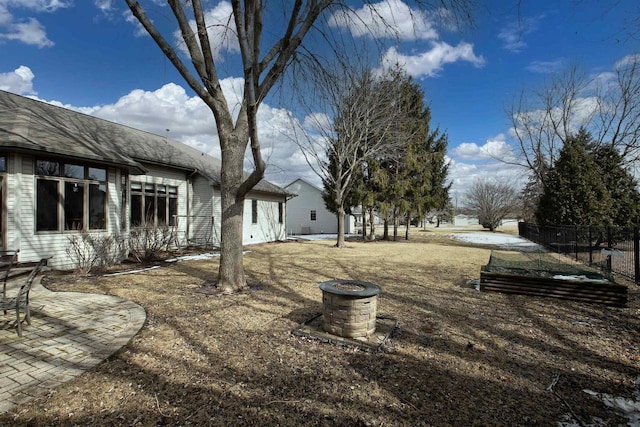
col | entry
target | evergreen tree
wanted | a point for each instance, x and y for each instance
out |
(621, 185)
(574, 192)
(412, 181)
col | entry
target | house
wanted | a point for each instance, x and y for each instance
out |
(307, 213)
(63, 172)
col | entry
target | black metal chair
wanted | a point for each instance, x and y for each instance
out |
(21, 300)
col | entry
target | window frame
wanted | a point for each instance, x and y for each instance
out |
(314, 215)
(149, 192)
(69, 176)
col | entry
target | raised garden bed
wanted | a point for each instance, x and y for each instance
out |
(543, 275)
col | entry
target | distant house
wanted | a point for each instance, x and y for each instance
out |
(307, 214)
(63, 172)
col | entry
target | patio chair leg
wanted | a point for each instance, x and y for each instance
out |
(27, 314)
(18, 325)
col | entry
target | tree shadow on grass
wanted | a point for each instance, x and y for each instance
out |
(461, 357)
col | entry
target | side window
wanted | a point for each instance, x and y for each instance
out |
(280, 212)
(313, 215)
(254, 211)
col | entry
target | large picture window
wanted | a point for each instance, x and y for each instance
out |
(70, 196)
(153, 203)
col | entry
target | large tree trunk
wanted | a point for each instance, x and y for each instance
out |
(231, 271)
(385, 233)
(340, 215)
(364, 222)
(396, 222)
(406, 232)
(372, 227)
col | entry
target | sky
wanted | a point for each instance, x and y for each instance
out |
(92, 56)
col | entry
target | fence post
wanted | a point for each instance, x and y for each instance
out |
(609, 246)
(590, 247)
(575, 242)
(636, 255)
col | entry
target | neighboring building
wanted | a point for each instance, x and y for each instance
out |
(62, 172)
(307, 214)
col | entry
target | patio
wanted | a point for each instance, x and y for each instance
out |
(70, 332)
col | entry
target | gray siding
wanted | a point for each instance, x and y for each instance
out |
(201, 216)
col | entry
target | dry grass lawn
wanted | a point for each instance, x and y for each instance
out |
(460, 357)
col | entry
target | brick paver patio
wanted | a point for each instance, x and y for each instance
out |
(70, 332)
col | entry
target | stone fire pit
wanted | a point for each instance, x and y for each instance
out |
(349, 307)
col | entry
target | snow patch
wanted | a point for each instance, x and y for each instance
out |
(503, 241)
(630, 408)
(141, 270)
(581, 278)
(197, 257)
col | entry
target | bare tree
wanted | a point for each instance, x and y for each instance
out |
(607, 105)
(364, 118)
(491, 201)
(262, 68)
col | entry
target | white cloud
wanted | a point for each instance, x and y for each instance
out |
(27, 30)
(220, 28)
(317, 122)
(40, 5)
(171, 111)
(386, 19)
(105, 6)
(429, 63)
(494, 148)
(463, 174)
(547, 67)
(19, 81)
(494, 159)
(627, 61)
(512, 35)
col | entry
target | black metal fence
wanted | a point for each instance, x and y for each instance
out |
(612, 249)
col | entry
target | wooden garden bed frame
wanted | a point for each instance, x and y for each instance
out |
(608, 293)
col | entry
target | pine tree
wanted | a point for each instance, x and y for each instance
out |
(574, 192)
(621, 185)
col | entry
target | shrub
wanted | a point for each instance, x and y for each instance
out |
(147, 241)
(90, 250)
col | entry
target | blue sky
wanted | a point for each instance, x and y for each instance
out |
(89, 55)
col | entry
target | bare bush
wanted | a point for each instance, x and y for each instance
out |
(147, 241)
(91, 250)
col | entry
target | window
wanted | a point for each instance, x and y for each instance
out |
(3, 168)
(280, 212)
(70, 196)
(153, 203)
(254, 211)
(313, 215)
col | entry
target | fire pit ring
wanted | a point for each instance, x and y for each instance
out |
(349, 307)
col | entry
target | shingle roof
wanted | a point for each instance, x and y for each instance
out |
(30, 125)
